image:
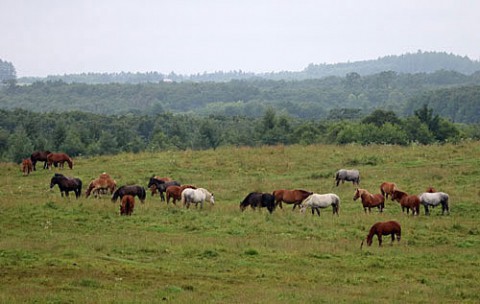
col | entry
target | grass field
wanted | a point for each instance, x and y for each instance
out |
(59, 250)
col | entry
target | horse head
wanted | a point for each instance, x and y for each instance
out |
(357, 194)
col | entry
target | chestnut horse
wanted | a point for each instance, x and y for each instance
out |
(59, 158)
(175, 192)
(294, 197)
(387, 189)
(384, 228)
(128, 203)
(430, 189)
(27, 166)
(369, 200)
(103, 182)
(407, 201)
(39, 156)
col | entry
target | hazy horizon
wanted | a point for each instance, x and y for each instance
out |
(54, 37)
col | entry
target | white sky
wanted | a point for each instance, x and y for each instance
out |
(50, 37)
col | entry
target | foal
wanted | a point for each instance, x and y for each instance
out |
(384, 228)
(128, 203)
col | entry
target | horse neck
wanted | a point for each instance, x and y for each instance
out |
(371, 233)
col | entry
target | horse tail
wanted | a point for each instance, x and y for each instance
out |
(183, 198)
(361, 245)
(143, 194)
(115, 195)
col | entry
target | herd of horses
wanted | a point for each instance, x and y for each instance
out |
(187, 194)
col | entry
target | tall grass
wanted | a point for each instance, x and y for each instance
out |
(54, 249)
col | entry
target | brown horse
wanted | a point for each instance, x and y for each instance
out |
(384, 228)
(407, 201)
(387, 189)
(60, 159)
(27, 166)
(369, 200)
(128, 203)
(294, 197)
(39, 156)
(430, 189)
(175, 192)
(98, 185)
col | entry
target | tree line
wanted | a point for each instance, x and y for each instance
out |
(80, 133)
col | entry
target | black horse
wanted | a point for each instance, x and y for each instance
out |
(260, 200)
(67, 184)
(39, 156)
(161, 186)
(132, 190)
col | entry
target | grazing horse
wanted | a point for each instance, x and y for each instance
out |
(175, 193)
(67, 184)
(260, 200)
(128, 203)
(369, 200)
(430, 189)
(153, 188)
(319, 201)
(160, 186)
(196, 196)
(132, 190)
(387, 189)
(384, 228)
(59, 158)
(27, 166)
(407, 201)
(434, 199)
(39, 156)
(294, 197)
(101, 184)
(347, 175)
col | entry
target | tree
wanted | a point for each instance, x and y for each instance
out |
(381, 117)
(20, 146)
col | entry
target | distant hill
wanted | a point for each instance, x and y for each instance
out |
(410, 63)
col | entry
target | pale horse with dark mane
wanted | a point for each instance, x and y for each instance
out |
(343, 175)
(320, 201)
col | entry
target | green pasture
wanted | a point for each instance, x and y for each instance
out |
(59, 250)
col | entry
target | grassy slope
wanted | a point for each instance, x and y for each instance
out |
(58, 250)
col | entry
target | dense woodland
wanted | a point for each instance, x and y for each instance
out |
(387, 107)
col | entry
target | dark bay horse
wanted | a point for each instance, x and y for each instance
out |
(161, 186)
(175, 192)
(98, 185)
(128, 203)
(67, 184)
(153, 188)
(407, 201)
(27, 166)
(39, 156)
(369, 200)
(294, 197)
(260, 200)
(347, 175)
(133, 190)
(379, 229)
(60, 159)
(387, 188)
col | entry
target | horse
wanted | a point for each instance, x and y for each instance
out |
(387, 189)
(319, 201)
(294, 197)
(132, 190)
(161, 186)
(175, 193)
(260, 200)
(59, 158)
(407, 201)
(153, 189)
(434, 199)
(103, 182)
(27, 166)
(384, 228)
(196, 196)
(67, 184)
(128, 203)
(39, 156)
(430, 189)
(369, 200)
(347, 175)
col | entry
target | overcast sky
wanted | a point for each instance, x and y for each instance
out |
(50, 37)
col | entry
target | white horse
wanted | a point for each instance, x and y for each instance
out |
(434, 199)
(196, 196)
(347, 175)
(319, 201)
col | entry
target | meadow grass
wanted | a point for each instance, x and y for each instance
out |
(54, 249)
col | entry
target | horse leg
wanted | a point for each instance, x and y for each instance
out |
(162, 197)
(318, 211)
(313, 211)
(379, 235)
(393, 238)
(427, 212)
